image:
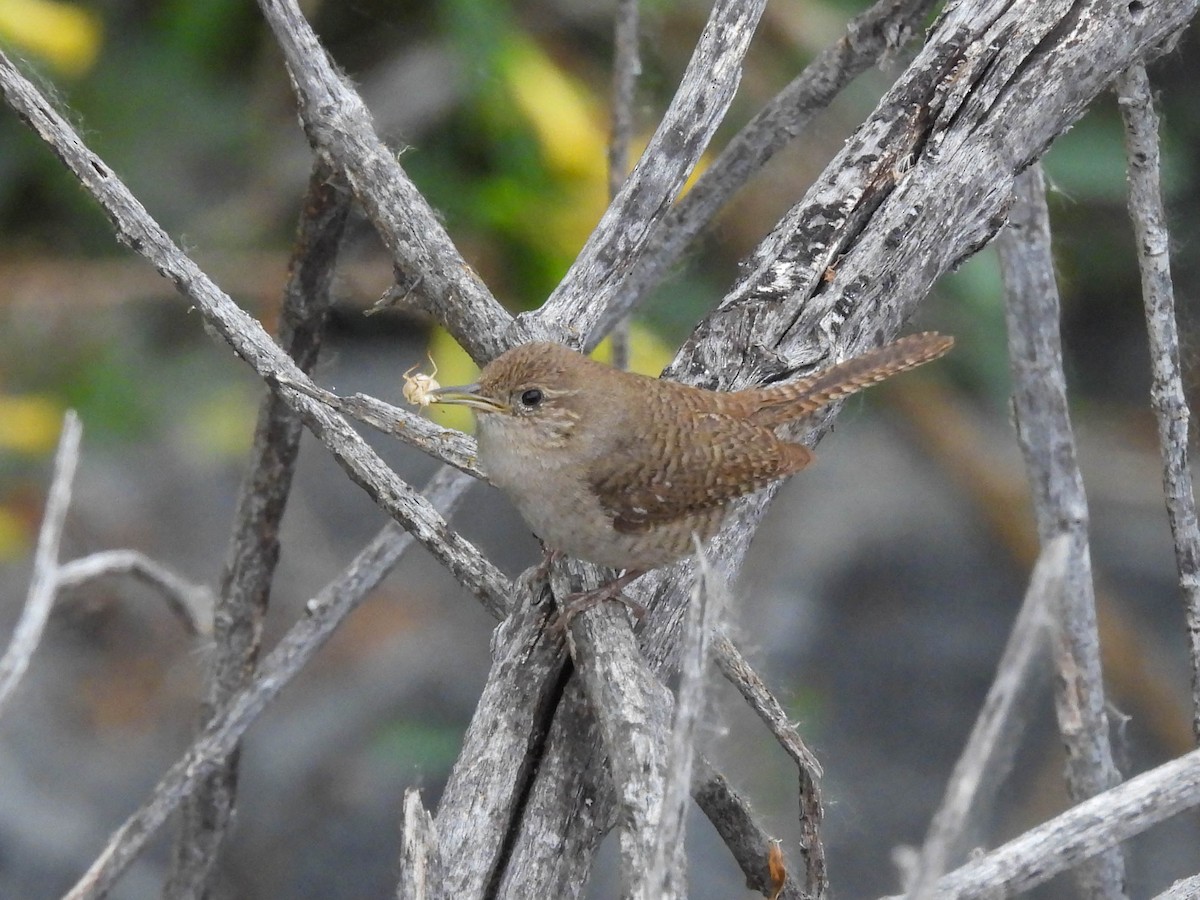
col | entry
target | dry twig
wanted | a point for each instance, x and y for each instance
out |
(1166, 393)
(43, 584)
(1081, 833)
(420, 876)
(339, 128)
(699, 105)
(191, 603)
(750, 685)
(873, 34)
(1060, 505)
(667, 875)
(627, 65)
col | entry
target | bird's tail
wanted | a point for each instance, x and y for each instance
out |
(786, 402)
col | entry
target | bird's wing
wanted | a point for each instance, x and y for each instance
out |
(646, 483)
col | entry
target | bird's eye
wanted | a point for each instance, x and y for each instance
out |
(531, 398)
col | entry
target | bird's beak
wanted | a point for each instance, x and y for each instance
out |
(467, 395)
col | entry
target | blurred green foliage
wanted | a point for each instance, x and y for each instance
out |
(421, 745)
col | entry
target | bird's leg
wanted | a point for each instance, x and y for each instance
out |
(549, 557)
(574, 604)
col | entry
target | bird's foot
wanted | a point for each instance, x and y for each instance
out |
(549, 556)
(581, 601)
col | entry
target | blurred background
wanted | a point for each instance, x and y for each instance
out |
(878, 595)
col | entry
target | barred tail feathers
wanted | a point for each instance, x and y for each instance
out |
(793, 401)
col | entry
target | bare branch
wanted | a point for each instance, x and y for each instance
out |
(704, 95)
(325, 612)
(918, 188)
(503, 747)
(988, 755)
(1166, 393)
(527, 716)
(627, 66)
(420, 875)
(43, 583)
(733, 819)
(632, 710)
(1060, 505)
(447, 445)
(135, 227)
(1079, 834)
(668, 875)
(870, 36)
(738, 671)
(339, 127)
(254, 545)
(191, 603)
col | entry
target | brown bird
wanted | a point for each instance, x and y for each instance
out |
(622, 470)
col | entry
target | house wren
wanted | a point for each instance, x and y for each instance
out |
(621, 469)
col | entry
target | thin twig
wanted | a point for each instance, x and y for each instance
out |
(734, 821)
(254, 545)
(1081, 833)
(738, 671)
(339, 127)
(43, 583)
(667, 876)
(627, 66)
(699, 105)
(191, 603)
(135, 227)
(325, 612)
(870, 36)
(1060, 505)
(447, 445)
(1166, 393)
(988, 755)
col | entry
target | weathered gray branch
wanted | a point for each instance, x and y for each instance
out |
(1166, 393)
(191, 603)
(429, 267)
(739, 673)
(43, 583)
(627, 66)
(1184, 889)
(1079, 834)
(1060, 505)
(447, 445)
(920, 186)
(667, 875)
(420, 869)
(632, 713)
